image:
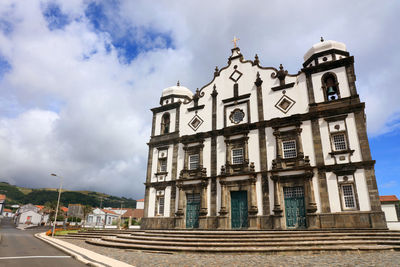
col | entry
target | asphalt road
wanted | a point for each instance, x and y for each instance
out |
(21, 248)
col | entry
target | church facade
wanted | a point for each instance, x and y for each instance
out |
(259, 148)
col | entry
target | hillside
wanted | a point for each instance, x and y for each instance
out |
(21, 195)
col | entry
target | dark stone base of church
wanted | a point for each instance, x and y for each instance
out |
(344, 220)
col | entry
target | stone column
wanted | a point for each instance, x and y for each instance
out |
(312, 216)
(312, 206)
(277, 207)
(253, 219)
(253, 196)
(223, 218)
(179, 213)
(203, 207)
(223, 210)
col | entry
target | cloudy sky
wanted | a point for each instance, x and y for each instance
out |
(78, 77)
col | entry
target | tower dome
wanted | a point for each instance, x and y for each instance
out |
(175, 93)
(325, 51)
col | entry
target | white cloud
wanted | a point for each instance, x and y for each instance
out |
(74, 107)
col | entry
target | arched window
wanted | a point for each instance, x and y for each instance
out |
(165, 122)
(330, 87)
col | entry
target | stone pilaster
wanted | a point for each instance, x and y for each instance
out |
(319, 158)
(310, 89)
(366, 156)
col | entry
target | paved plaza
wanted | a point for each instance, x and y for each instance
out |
(138, 258)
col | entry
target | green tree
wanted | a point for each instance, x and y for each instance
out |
(87, 209)
(50, 208)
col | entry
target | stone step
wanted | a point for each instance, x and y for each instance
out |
(248, 249)
(256, 243)
(254, 239)
(264, 235)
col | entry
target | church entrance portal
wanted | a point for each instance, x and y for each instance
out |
(192, 210)
(239, 209)
(295, 210)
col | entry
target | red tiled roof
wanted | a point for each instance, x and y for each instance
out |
(388, 198)
(2, 197)
(138, 213)
(127, 213)
(109, 211)
(39, 206)
(140, 200)
(7, 210)
(64, 209)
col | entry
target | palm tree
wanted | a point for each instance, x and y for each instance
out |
(87, 209)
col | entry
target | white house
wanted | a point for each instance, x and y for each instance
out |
(391, 208)
(2, 203)
(8, 213)
(140, 204)
(30, 214)
(101, 218)
(260, 148)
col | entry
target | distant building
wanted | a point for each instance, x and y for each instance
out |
(101, 218)
(140, 204)
(391, 208)
(75, 210)
(30, 214)
(2, 203)
(7, 213)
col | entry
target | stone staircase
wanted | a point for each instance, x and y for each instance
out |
(266, 242)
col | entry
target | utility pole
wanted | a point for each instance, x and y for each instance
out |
(101, 202)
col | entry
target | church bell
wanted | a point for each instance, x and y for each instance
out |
(331, 91)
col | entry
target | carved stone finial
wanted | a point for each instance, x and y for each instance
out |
(258, 81)
(222, 169)
(252, 167)
(280, 74)
(256, 60)
(178, 83)
(322, 39)
(214, 92)
(216, 72)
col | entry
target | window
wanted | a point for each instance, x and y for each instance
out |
(237, 156)
(163, 165)
(289, 149)
(339, 142)
(165, 121)
(237, 116)
(349, 201)
(194, 162)
(160, 206)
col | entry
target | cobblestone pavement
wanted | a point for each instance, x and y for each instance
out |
(138, 258)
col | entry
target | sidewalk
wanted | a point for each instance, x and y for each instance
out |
(83, 255)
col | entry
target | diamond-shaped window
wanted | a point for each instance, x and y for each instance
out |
(195, 122)
(285, 103)
(235, 76)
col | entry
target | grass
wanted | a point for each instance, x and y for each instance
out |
(65, 232)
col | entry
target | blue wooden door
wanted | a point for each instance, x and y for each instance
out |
(239, 212)
(192, 210)
(295, 210)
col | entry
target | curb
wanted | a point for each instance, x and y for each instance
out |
(83, 255)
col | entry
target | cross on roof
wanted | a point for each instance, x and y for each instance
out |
(234, 41)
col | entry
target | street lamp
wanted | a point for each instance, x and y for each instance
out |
(58, 203)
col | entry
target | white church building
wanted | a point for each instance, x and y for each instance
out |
(259, 148)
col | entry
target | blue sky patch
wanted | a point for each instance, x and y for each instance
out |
(55, 18)
(129, 40)
(4, 67)
(5, 26)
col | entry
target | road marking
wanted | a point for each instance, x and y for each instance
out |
(32, 257)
